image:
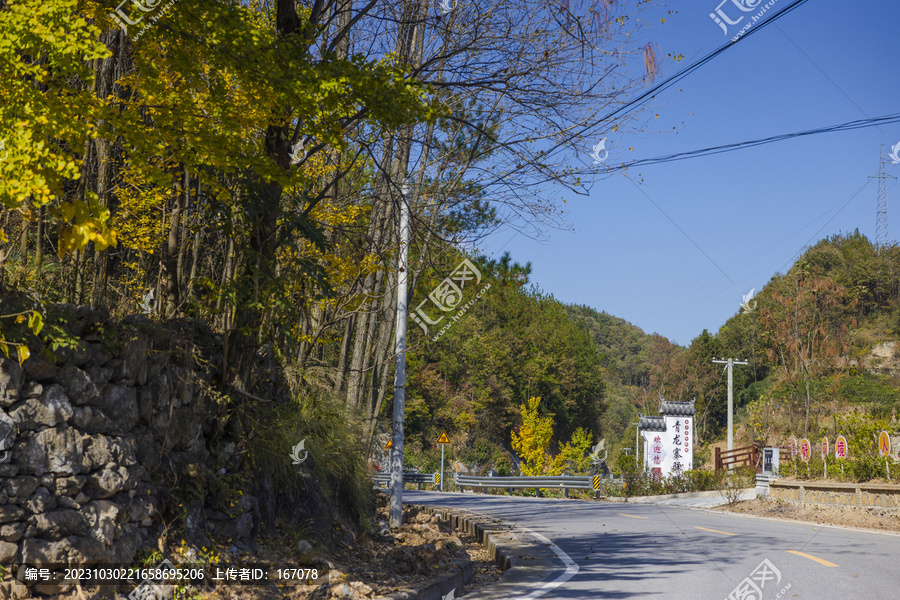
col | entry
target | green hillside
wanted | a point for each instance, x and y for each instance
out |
(514, 342)
(820, 342)
(811, 339)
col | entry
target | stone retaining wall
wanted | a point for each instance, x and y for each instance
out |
(82, 434)
(837, 494)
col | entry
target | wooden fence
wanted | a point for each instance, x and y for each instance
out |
(746, 456)
(738, 457)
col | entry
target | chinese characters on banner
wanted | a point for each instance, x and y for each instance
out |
(840, 448)
(681, 435)
(657, 453)
(805, 450)
(671, 451)
(669, 438)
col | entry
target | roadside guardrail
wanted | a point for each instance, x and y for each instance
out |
(564, 482)
(384, 479)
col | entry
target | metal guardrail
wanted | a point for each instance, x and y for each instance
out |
(384, 479)
(564, 482)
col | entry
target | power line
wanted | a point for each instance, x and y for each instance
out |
(670, 81)
(822, 71)
(672, 221)
(848, 126)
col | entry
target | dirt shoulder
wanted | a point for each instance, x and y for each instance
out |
(847, 516)
(423, 550)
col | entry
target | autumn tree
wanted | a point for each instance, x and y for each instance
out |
(532, 439)
(807, 331)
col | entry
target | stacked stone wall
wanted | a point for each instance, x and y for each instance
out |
(882, 496)
(88, 436)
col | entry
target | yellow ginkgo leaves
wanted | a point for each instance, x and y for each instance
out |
(90, 225)
(35, 324)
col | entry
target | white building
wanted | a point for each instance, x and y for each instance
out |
(669, 438)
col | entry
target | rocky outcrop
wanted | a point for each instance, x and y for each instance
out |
(884, 359)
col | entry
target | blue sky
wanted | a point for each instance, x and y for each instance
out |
(751, 211)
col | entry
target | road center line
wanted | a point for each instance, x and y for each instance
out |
(815, 558)
(571, 567)
(715, 531)
(633, 516)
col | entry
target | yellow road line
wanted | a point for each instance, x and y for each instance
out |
(815, 558)
(715, 531)
(633, 516)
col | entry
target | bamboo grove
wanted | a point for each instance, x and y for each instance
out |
(242, 162)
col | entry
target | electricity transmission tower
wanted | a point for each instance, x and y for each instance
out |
(882, 238)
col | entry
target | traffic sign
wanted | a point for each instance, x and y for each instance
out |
(840, 448)
(805, 450)
(443, 440)
(595, 483)
(884, 444)
(824, 448)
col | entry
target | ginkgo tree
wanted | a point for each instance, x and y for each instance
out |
(221, 91)
(532, 439)
(44, 121)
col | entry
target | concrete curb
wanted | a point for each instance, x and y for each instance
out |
(439, 588)
(525, 563)
(640, 499)
(812, 524)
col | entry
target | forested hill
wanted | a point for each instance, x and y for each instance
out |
(809, 338)
(820, 342)
(507, 342)
(635, 370)
(625, 347)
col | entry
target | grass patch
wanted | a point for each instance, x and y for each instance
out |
(334, 440)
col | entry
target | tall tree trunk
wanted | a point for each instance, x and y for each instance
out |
(105, 170)
(39, 246)
(170, 262)
(195, 260)
(182, 247)
(365, 314)
(80, 260)
(341, 369)
(264, 220)
(23, 253)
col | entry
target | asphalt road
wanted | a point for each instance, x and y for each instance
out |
(659, 551)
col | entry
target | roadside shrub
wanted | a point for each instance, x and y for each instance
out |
(638, 482)
(863, 462)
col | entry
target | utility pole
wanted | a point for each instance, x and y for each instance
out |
(730, 366)
(396, 507)
(882, 237)
(637, 436)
